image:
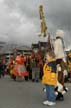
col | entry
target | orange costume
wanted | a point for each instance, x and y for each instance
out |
(20, 69)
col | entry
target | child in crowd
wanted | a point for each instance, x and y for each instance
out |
(49, 78)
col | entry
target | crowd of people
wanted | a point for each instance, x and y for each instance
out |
(53, 70)
(27, 66)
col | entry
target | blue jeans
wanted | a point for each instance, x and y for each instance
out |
(50, 92)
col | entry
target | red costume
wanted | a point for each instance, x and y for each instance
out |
(20, 69)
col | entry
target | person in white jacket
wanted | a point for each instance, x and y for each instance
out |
(59, 45)
(60, 54)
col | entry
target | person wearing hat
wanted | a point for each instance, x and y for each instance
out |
(60, 54)
(59, 45)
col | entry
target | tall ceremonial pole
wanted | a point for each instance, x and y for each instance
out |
(44, 28)
(42, 22)
(43, 25)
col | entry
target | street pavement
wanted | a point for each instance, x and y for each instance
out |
(22, 94)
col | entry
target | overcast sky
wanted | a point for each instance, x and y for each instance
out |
(19, 19)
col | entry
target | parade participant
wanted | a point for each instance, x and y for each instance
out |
(49, 78)
(20, 69)
(10, 64)
(60, 53)
(28, 66)
(11, 67)
(59, 45)
(2, 69)
(35, 68)
(69, 65)
(41, 68)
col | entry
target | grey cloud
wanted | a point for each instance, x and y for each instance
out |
(56, 10)
(24, 26)
(59, 12)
